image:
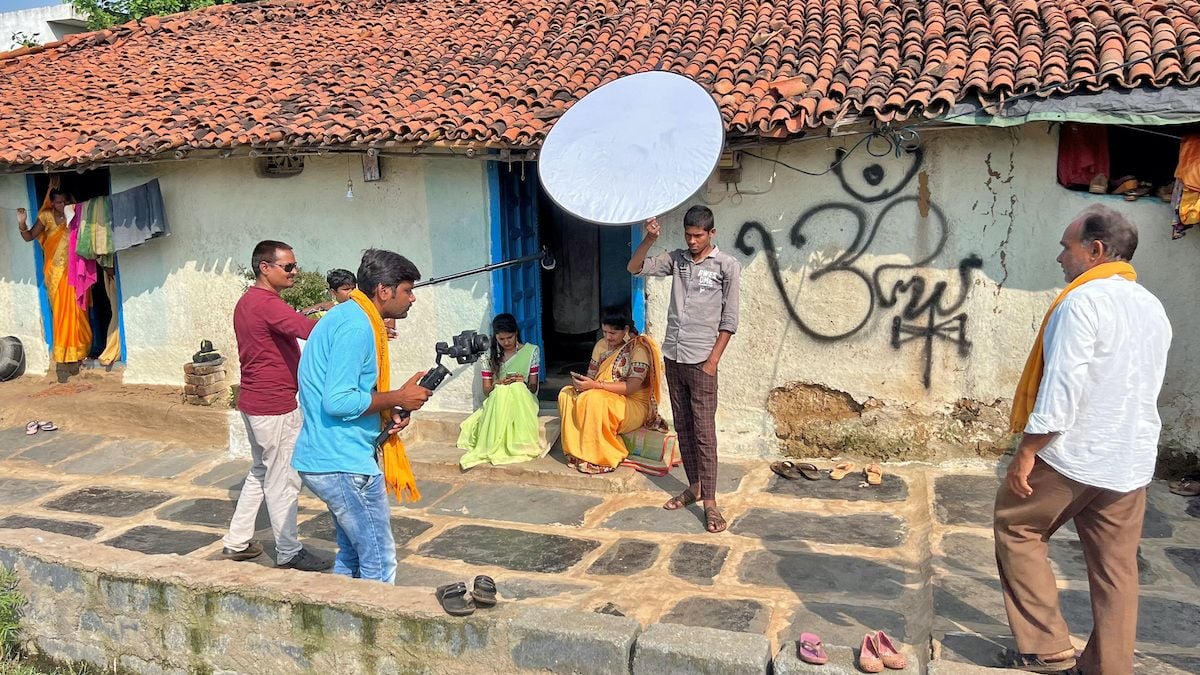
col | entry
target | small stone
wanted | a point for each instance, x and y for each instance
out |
(206, 380)
(205, 390)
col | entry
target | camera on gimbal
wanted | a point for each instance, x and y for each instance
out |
(464, 348)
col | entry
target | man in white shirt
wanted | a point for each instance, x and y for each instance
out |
(1090, 421)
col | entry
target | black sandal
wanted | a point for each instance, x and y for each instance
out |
(682, 500)
(484, 592)
(1032, 663)
(455, 600)
(713, 520)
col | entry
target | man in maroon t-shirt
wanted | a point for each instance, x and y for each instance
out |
(267, 329)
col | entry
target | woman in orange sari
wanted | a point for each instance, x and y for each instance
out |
(619, 394)
(72, 332)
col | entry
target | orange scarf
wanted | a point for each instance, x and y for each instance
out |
(397, 473)
(1031, 378)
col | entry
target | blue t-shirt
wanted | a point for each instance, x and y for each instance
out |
(337, 375)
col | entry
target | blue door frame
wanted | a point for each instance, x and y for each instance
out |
(39, 262)
(513, 194)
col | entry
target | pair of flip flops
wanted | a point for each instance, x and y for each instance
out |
(457, 601)
(872, 473)
(34, 426)
(792, 471)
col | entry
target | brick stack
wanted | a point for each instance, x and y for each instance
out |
(205, 382)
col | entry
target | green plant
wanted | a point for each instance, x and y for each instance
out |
(23, 39)
(310, 288)
(11, 603)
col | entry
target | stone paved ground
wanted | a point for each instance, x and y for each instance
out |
(912, 557)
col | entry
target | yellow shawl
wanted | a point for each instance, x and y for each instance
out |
(1031, 377)
(397, 473)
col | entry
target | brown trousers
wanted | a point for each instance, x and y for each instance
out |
(694, 406)
(1110, 527)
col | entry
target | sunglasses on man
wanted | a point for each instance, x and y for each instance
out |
(289, 267)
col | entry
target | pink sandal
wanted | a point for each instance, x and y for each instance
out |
(811, 650)
(868, 656)
(891, 657)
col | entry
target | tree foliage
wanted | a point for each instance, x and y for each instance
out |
(106, 13)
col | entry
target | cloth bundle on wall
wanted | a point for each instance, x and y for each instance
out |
(1185, 202)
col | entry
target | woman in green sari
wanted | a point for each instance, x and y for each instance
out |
(505, 429)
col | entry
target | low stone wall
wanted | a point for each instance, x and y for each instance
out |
(128, 612)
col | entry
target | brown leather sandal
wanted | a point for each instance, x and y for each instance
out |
(682, 500)
(714, 522)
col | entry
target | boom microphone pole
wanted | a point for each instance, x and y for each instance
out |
(545, 258)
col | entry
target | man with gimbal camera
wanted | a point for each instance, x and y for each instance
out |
(344, 377)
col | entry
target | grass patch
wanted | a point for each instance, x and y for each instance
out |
(11, 603)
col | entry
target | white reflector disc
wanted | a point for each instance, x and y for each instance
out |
(634, 148)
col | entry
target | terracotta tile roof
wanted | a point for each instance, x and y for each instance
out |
(307, 73)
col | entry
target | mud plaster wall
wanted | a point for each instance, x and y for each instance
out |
(888, 307)
(20, 310)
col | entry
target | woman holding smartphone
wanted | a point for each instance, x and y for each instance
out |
(619, 394)
(505, 429)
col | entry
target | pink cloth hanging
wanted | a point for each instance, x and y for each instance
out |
(81, 272)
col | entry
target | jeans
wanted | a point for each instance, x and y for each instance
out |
(362, 522)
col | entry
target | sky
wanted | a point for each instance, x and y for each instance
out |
(12, 5)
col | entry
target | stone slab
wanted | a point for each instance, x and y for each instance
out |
(738, 615)
(517, 503)
(845, 622)
(569, 641)
(658, 519)
(169, 464)
(516, 588)
(780, 527)
(429, 578)
(61, 446)
(893, 489)
(1186, 560)
(969, 603)
(969, 554)
(698, 563)
(982, 651)
(1161, 621)
(210, 512)
(669, 649)
(226, 475)
(729, 479)
(101, 461)
(1166, 664)
(627, 556)
(804, 572)
(15, 440)
(511, 549)
(965, 500)
(103, 501)
(19, 490)
(431, 492)
(152, 539)
(842, 661)
(404, 529)
(73, 528)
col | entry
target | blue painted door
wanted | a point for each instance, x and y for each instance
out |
(513, 189)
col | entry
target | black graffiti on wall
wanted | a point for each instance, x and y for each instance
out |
(926, 312)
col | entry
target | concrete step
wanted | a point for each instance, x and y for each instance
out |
(442, 428)
(842, 661)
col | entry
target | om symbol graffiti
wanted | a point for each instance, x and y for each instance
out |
(927, 313)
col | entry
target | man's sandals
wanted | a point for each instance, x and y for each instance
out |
(713, 520)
